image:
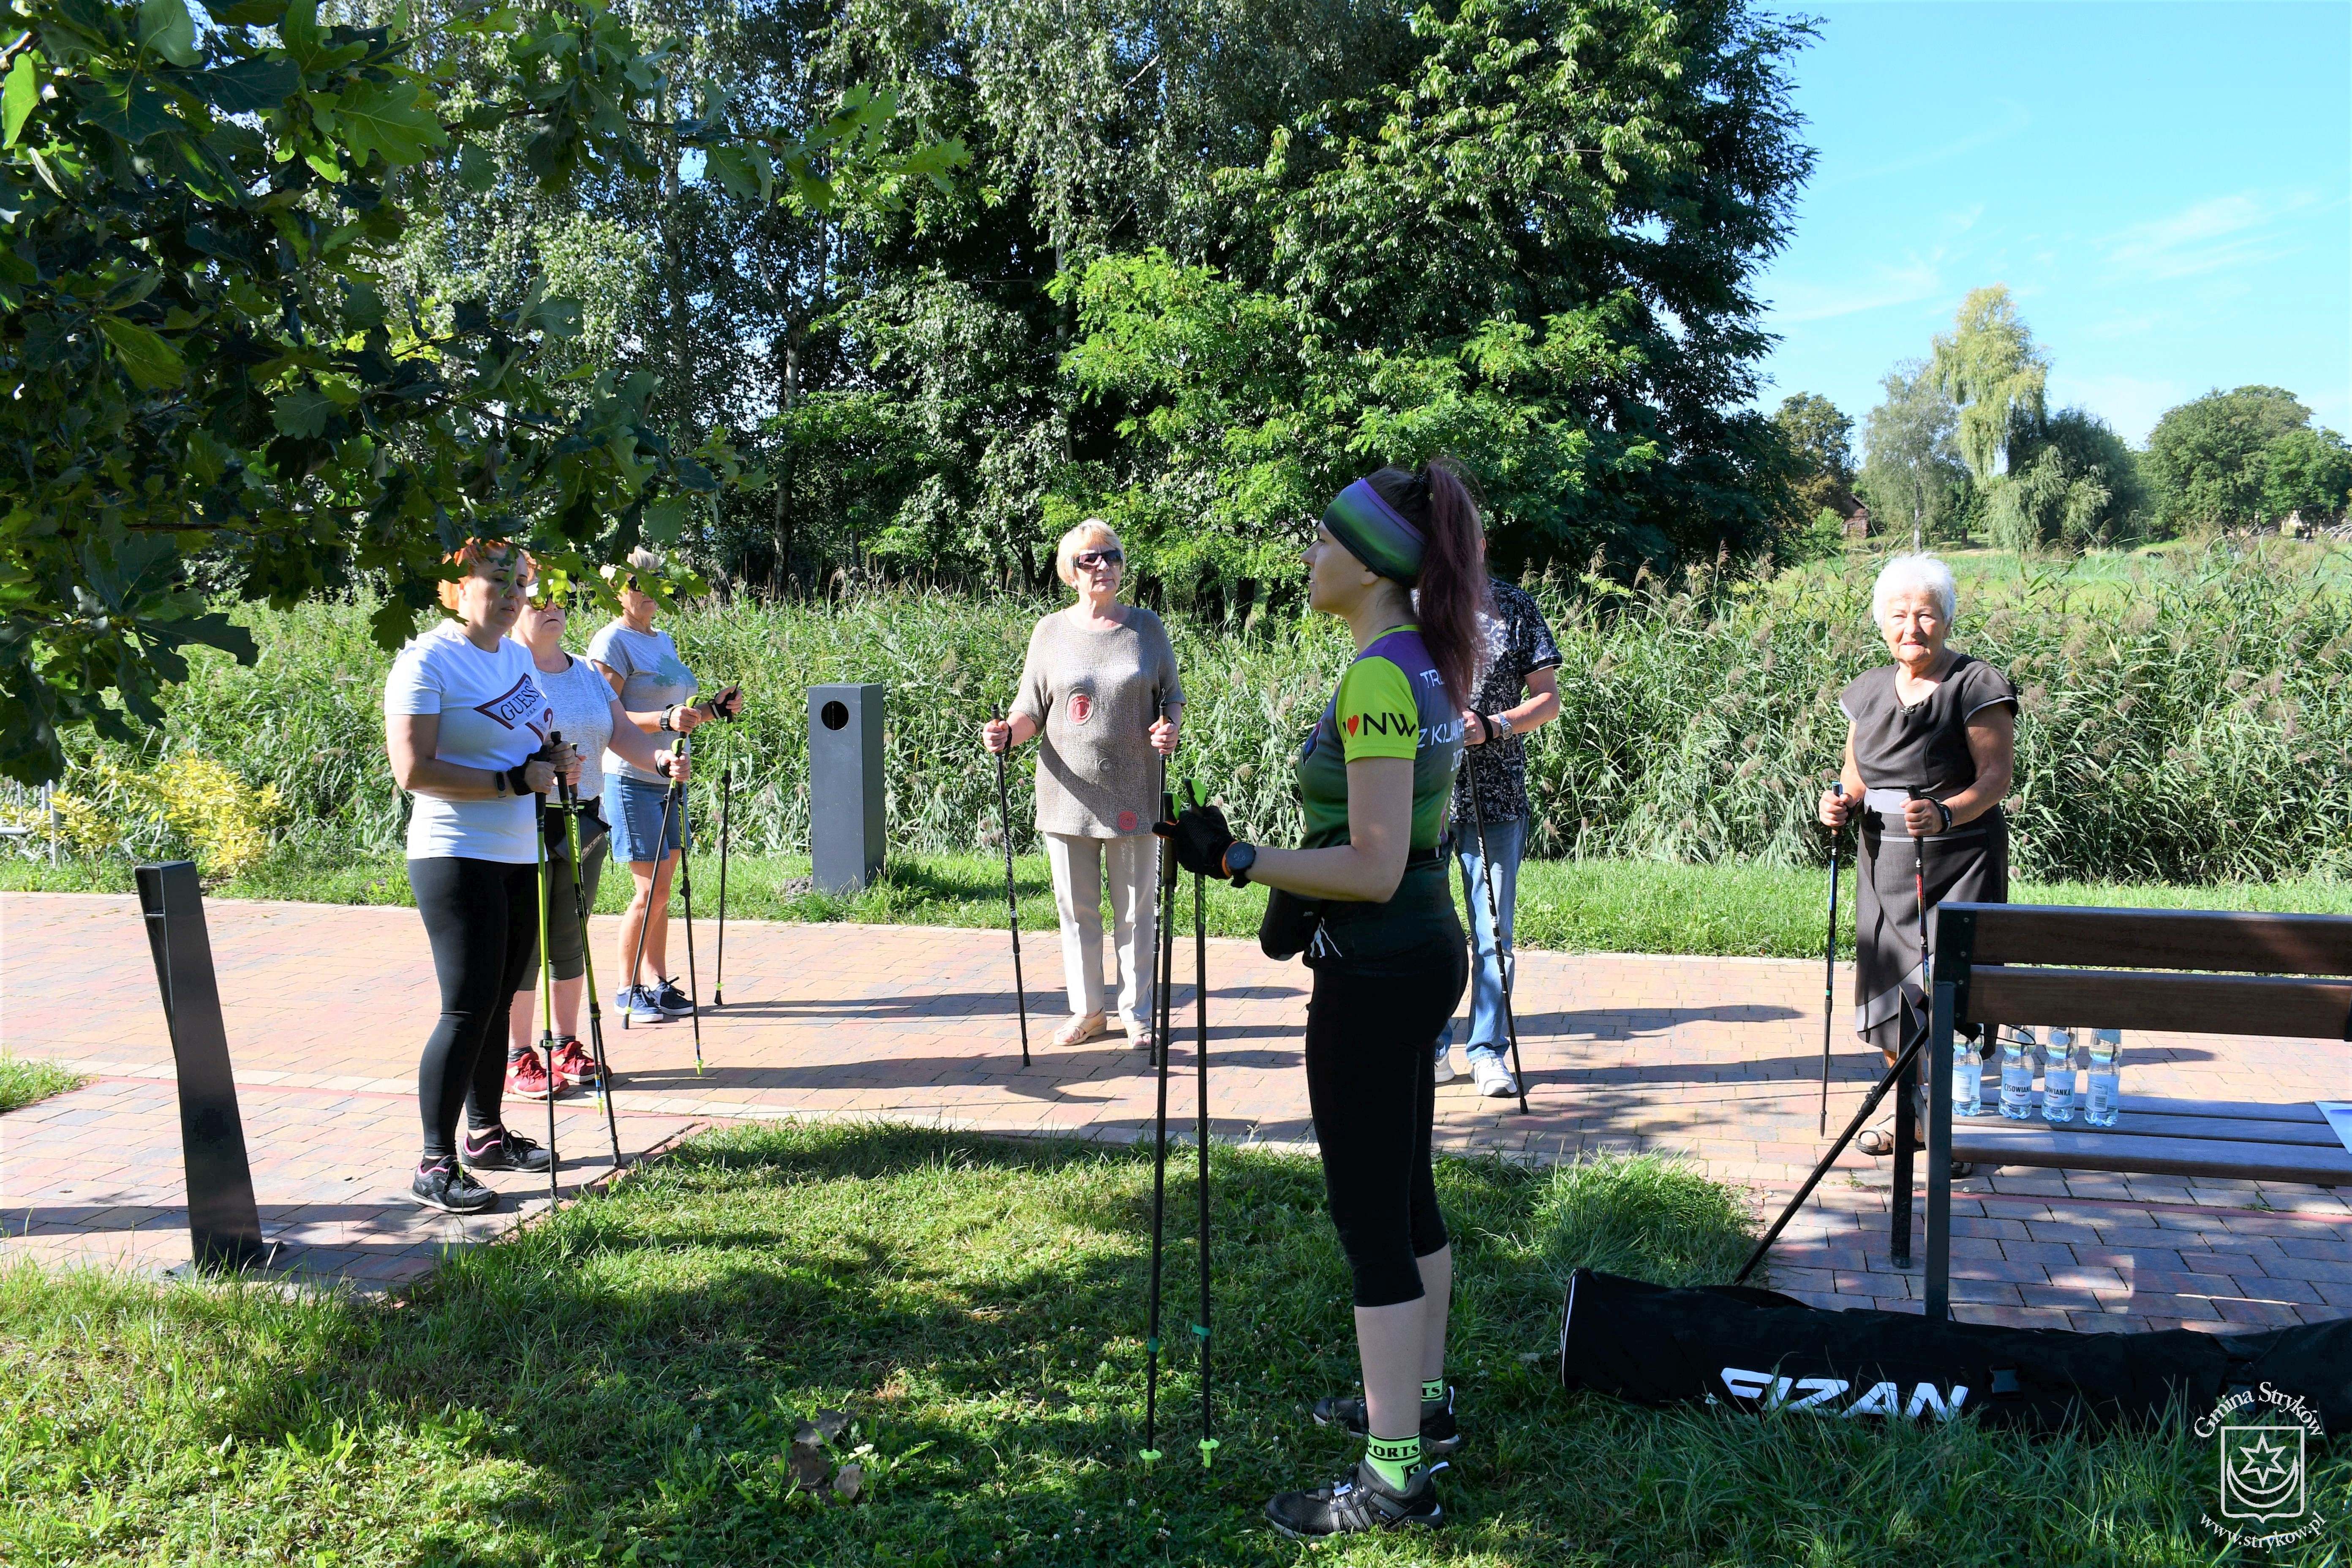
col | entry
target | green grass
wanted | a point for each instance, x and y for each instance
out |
(623, 1384)
(1741, 909)
(23, 1081)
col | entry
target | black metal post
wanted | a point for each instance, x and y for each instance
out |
(223, 1221)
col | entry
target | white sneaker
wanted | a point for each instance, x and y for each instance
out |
(1445, 1071)
(1495, 1079)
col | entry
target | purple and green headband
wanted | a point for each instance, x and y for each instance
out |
(1376, 534)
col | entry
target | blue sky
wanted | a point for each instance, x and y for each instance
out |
(2167, 188)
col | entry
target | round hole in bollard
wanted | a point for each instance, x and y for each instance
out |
(834, 715)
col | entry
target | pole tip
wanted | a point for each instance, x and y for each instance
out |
(1209, 1447)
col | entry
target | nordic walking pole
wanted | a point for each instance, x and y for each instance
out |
(1495, 923)
(570, 795)
(1201, 1128)
(546, 989)
(686, 891)
(1012, 904)
(726, 796)
(1829, 972)
(1165, 963)
(1869, 1106)
(647, 924)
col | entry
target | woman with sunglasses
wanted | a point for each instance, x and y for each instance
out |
(653, 683)
(1099, 693)
(466, 730)
(590, 718)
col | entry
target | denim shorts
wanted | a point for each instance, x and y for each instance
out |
(635, 809)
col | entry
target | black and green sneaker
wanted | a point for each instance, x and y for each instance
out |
(1362, 1501)
(1440, 1434)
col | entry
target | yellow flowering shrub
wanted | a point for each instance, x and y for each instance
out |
(225, 820)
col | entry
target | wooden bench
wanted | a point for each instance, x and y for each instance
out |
(2189, 971)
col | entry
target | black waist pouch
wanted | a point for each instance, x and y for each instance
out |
(1289, 924)
(593, 830)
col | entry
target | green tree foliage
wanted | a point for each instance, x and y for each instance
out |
(2207, 459)
(1822, 441)
(216, 351)
(2072, 484)
(1912, 475)
(1995, 374)
(1533, 252)
(2307, 472)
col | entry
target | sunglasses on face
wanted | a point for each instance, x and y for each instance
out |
(1088, 560)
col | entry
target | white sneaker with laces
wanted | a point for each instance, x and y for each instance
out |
(1495, 1079)
(1444, 1069)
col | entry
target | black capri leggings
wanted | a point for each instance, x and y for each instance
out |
(483, 919)
(567, 954)
(1372, 1087)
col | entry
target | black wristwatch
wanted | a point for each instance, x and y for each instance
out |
(1239, 858)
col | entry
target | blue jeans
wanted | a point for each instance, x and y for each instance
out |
(1507, 844)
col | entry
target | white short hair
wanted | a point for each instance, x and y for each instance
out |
(1908, 574)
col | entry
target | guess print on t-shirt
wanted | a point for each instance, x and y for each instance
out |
(521, 704)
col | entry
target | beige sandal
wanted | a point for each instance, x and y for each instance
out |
(1077, 1031)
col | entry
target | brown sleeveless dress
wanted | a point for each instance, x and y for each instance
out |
(1898, 750)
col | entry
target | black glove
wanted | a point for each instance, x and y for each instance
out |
(1199, 838)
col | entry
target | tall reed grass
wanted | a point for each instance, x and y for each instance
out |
(2192, 725)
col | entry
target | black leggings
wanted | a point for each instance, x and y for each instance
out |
(483, 919)
(1371, 1084)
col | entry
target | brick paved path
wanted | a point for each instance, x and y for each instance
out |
(1712, 1058)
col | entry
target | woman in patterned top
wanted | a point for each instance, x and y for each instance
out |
(1388, 958)
(1519, 690)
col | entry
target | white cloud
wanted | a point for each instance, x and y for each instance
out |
(2219, 234)
(1874, 285)
(1915, 279)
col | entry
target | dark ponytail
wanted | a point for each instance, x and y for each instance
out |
(1452, 586)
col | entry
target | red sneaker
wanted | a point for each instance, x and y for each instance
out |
(574, 1067)
(526, 1080)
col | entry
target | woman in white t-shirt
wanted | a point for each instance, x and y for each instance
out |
(465, 725)
(649, 833)
(589, 717)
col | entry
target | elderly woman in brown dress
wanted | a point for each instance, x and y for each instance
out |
(1930, 750)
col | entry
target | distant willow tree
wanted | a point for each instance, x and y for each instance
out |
(1995, 374)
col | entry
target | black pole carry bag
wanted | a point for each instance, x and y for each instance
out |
(1759, 1350)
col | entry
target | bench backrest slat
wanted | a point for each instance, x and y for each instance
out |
(2162, 939)
(2142, 999)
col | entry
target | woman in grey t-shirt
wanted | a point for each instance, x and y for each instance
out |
(1099, 691)
(653, 683)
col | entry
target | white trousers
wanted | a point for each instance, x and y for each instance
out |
(1081, 866)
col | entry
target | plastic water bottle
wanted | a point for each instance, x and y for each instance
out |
(2103, 1076)
(1968, 1077)
(2017, 1076)
(2058, 1074)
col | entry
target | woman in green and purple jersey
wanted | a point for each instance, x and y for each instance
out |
(1387, 954)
